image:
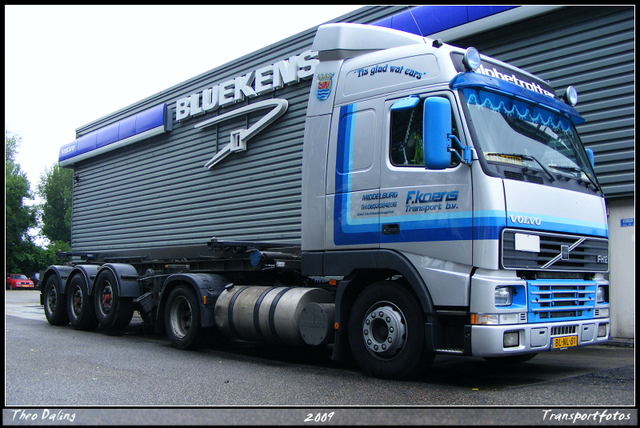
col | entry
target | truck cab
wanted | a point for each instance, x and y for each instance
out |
(465, 177)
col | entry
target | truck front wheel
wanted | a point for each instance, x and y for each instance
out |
(386, 332)
(54, 303)
(112, 310)
(182, 318)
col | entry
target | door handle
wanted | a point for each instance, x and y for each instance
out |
(390, 229)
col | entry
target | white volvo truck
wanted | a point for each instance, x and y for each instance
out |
(447, 206)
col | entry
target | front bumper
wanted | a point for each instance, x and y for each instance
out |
(23, 285)
(489, 340)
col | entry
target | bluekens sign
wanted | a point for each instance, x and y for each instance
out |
(239, 137)
(262, 81)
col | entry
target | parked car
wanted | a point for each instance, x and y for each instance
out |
(18, 280)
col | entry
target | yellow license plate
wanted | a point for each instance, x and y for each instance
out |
(565, 341)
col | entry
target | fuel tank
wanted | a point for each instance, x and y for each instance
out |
(272, 314)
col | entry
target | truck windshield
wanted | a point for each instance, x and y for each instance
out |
(513, 132)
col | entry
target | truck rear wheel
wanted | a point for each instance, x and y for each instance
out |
(182, 318)
(80, 309)
(54, 303)
(386, 332)
(112, 310)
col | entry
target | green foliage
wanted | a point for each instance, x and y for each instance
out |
(12, 142)
(19, 218)
(55, 188)
(22, 255)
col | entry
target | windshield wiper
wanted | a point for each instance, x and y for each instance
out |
(567, 168)
(525, 157)
(544, 168)
(578, 171)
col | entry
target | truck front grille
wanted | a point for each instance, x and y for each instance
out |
(560, 253)
(558, 300)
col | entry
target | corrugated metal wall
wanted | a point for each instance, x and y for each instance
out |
(157, 192)
(591, 48)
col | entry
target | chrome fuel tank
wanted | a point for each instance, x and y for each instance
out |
(265, 314)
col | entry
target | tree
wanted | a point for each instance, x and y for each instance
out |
(19, 218)
(55, 189)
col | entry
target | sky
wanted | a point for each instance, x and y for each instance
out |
(66, 66)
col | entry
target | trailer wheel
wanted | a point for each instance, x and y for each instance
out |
(80, 308)
(386, 332)
(112, 311)
(54, 303)
(182, 318)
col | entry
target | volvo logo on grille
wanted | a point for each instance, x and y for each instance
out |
(564, 252)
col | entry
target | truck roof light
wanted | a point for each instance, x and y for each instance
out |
(471, 59)
(571, 95)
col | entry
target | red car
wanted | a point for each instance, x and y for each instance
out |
(18, 280)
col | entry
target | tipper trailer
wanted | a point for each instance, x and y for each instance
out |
(420, 199)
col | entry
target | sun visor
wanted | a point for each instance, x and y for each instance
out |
(474, 79)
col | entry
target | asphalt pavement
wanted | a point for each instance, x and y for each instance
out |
(54, 374)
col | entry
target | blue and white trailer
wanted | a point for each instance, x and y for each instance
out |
(442, 203)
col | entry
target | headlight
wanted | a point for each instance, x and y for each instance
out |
(601, 295)
(571, 95)
(471, 59)
(503, 296)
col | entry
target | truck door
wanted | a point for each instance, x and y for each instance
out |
(353, 177)
(428, 213)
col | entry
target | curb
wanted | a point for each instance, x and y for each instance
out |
(619, 342)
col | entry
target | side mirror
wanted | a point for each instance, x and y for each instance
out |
(591, 157)
(436, 127)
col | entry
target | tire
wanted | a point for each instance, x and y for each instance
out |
(80, 309)
(391, 346)
(182, 318)
(511, 359)
(55, 308)
(113, 312)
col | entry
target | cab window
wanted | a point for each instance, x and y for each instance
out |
(406, 137)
